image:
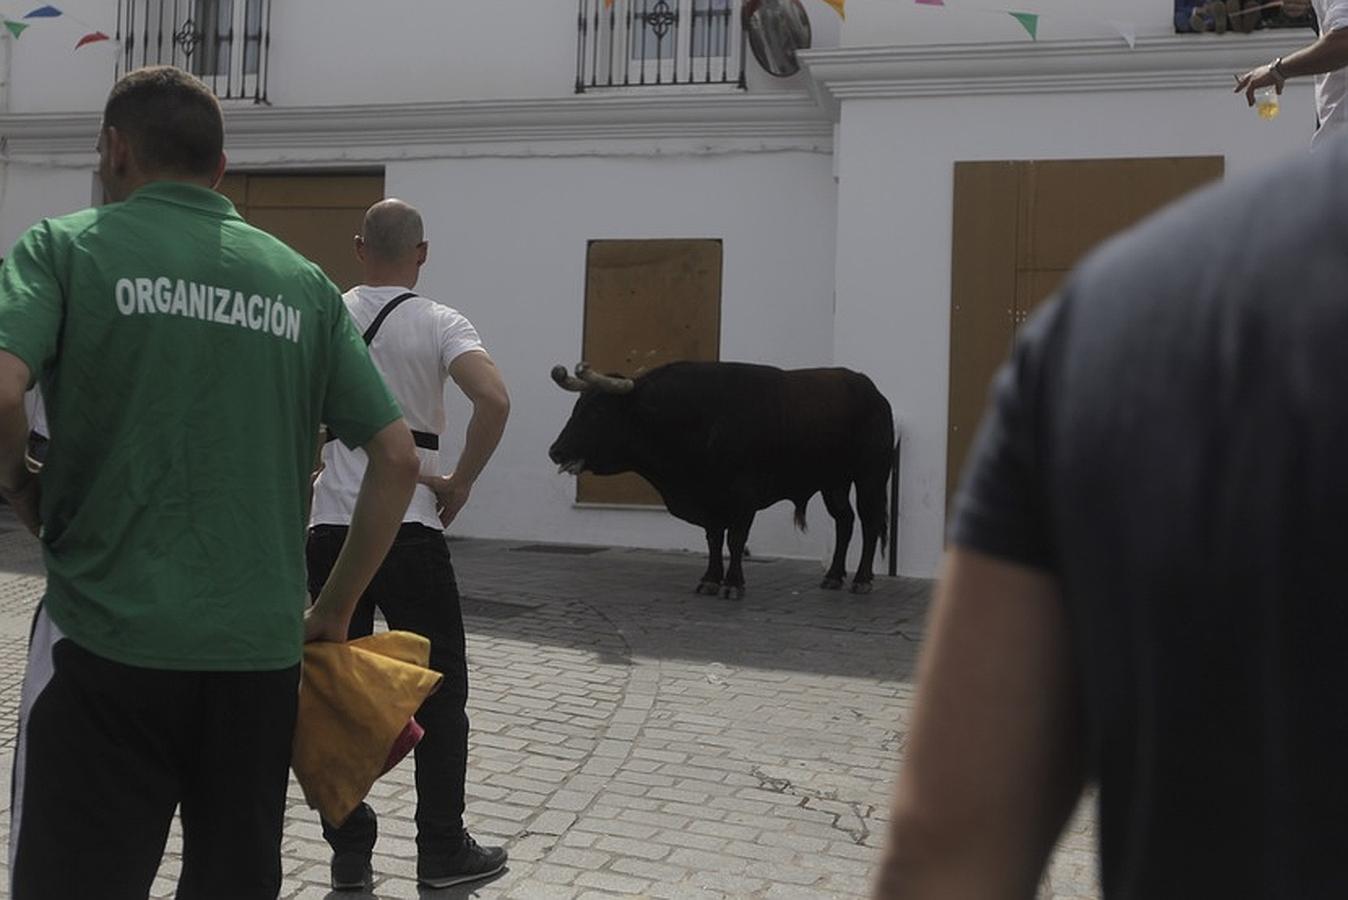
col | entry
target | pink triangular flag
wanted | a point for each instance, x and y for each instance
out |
(92, 38)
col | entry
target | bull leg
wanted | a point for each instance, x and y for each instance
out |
(840, 508)
(734, 577)
(711, 579)
(871, 507)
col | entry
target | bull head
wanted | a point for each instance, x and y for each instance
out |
(586, 379)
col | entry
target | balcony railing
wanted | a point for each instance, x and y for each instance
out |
(225, 43)
(631, 43)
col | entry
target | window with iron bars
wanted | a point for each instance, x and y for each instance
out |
(634, 43)
(225, 43)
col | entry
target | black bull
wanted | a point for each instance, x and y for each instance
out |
(721, 441)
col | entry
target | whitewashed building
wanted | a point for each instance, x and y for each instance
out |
(896, 206)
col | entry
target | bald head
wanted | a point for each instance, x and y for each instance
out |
(391, 231)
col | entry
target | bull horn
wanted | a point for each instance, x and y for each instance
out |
(609, 384)
(567, 381)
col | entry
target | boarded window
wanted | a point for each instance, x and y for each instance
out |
(318, 215)
(647, 303)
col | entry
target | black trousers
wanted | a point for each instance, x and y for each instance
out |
(107, 752)
(416, 591)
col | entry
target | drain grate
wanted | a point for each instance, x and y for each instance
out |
(560, 549)
(479, 608)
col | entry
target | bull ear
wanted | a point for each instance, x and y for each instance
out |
(608, 384)
(567, 381)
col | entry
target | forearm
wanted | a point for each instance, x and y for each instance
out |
(1328, 54)
(13, 446)
(384, 495)
(483, 435)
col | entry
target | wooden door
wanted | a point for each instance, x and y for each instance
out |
(647, 303)
(1019, 228)
(317, 214)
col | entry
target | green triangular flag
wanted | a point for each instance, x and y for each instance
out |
(15, 28)
(1029, 21)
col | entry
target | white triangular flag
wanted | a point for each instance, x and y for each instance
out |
(1126, 30)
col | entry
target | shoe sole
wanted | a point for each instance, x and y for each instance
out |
(459, 879)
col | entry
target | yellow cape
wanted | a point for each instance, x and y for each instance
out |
(355, 699)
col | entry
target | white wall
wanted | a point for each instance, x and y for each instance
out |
(904, 22)
(894, 231)
(30, 193)
(508, 242)
(333, 52)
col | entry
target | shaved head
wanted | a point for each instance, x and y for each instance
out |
(391, 230)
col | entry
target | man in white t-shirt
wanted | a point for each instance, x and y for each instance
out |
(1326, 59)
(416, 344)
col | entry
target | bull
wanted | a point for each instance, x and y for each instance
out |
(722, 440)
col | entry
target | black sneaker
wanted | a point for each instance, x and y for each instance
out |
(468, 863)
(352, 872)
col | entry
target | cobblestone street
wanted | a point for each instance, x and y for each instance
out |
(631, 738)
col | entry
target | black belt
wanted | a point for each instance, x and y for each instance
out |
(423, 439)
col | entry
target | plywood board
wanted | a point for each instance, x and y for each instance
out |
(647, 302)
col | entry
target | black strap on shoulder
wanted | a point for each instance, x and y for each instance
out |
(383, 314)
(423, 439)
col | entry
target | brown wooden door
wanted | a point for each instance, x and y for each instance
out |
(316, 214)
(1019, 228)
(647, 303)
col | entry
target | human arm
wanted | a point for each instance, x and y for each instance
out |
(385, 491)
(994, 762)
(19, 486)
(481, 382)
(1329, 53)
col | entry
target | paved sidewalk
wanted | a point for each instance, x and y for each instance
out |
(631, 738)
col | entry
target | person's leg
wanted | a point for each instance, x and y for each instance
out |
(418, 593)
(234, 792)
(424, 598)
(96, 772)
(353, 841)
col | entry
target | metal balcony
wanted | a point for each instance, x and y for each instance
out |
(225, 43)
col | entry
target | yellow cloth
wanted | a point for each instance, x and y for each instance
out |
(355, 699)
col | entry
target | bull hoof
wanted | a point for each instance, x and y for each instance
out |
(831, 584)
(710, 588)
(861, 587)
(732, 592)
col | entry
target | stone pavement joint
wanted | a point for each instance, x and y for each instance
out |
(632, 738)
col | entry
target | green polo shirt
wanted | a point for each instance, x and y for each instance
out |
(186, 360)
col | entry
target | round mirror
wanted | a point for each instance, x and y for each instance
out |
(776, 30)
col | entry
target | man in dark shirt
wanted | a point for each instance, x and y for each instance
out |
(1145, 586)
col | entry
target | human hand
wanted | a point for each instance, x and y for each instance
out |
(1262, 76)
(320, 625)
(450, 495)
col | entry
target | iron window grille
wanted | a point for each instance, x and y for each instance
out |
(634, 43)
(225, 43)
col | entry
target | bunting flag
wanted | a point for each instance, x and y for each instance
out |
(837, 7)
(1126, 30)
(1028, 21)
(92, 38)
(43, 12)
(15, 28)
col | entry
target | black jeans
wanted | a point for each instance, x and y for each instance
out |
(416, 591)
(107, 751)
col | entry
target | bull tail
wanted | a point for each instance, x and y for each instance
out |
(800, 516)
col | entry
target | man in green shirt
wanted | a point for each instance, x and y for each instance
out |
(186, 360)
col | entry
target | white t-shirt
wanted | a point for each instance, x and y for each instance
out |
(412, 350)
(1331, 88)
